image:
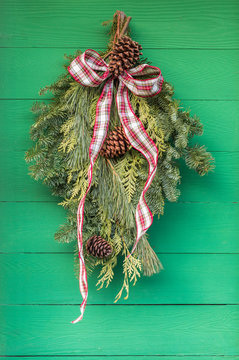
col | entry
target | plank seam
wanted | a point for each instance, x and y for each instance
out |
(178, 202)
(135, 304)
(181, 99)
(72, 252)
(102, 49)
(118, 355)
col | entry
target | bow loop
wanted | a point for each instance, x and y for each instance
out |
(145, 87)
(85, 68)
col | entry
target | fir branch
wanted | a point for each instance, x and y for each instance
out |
(66, 233)
(199, 159)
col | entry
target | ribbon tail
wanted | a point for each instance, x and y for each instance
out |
(141, 141)
(100, 131)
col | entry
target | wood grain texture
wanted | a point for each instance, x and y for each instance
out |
(142, 330)
(196, 74)
(30, 227)
(219, 186)
(187, 279)
(168, 24)
(220, 133)
(195, 43)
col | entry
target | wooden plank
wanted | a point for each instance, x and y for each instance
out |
(17, 185)
(17, 118)
(125, 357)
(30, 227)
(218, 186)
(186, 279)
(143, 330)
(196, 74)
(204, 24)
(197, 227)
(217, 133)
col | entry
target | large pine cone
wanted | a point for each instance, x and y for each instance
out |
(116, 143)
(123, 56)
(98, 247)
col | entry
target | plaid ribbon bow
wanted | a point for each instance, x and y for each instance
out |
(84, 70)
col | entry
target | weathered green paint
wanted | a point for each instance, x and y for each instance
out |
(196, 74)
(186, 279)
(167, 24)
(219, 186)
(125, 357)
(29, 227)
(124, 330)
(191, 307)
(218, 135)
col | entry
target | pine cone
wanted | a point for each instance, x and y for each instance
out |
(98, 247)
(124, 54)
(116, 143)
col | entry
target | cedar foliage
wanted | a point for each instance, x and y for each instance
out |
(62, 133)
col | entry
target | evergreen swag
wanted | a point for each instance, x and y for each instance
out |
(62, 133)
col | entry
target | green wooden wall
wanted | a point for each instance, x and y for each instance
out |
(190, 310)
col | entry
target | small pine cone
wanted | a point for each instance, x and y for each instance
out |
(123, 55)
(98, 247)
(116, 143)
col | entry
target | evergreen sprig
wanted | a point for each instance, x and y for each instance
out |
(62, 133)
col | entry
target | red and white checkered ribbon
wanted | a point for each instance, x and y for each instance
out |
(85, 69)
